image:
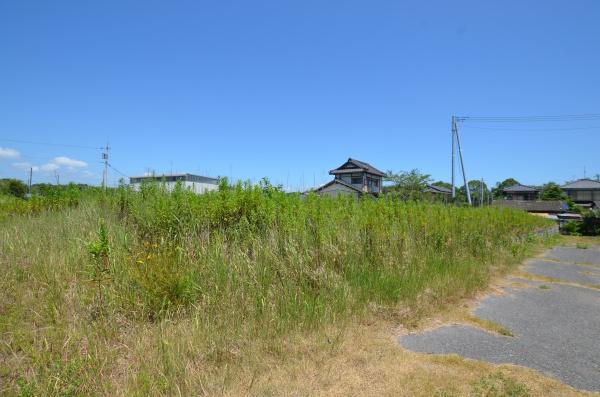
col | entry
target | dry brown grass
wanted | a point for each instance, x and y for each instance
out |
(574, 240)
(54, 345)
(368, 361)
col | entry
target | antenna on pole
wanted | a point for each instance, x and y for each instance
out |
(105, 159)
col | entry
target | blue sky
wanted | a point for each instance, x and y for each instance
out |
(290, 90)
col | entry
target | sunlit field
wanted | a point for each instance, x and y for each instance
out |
(151, 292)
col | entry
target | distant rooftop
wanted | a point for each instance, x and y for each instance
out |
(338, 182)
(533, 206)
(437, 189)
(520, 188)
(173, 178)
(582, 184)
(359, 166)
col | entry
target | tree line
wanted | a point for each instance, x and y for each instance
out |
(411, 185)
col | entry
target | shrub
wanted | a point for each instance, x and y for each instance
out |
(588, 226)
(13, 187)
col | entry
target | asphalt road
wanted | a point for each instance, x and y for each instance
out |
(556, 328)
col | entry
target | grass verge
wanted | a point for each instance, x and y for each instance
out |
(177, 294)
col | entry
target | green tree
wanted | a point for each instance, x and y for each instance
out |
(551, 191)
(475, 188)
(498, 191)
(407, 185)
(447, 185)
(13, 187)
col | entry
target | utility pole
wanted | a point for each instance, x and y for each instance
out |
(105, 159)
(453, 155)
(481, 193)
(462, 163)
(30, 178)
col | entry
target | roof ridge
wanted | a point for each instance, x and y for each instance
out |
(341, 183)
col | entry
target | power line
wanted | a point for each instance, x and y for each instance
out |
(528, 119)
(51, 144)
(532, 129)
(117, 171)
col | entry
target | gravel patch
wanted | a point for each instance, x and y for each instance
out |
(556, 328)
(584, 274)
(575, 255)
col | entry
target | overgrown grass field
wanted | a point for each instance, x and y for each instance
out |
(151, 292)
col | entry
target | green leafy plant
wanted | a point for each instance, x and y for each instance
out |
(99, 250)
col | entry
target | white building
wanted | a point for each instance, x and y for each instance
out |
(195, 183)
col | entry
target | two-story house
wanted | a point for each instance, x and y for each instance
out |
(521, 192)
(353, 177)
(585, 192)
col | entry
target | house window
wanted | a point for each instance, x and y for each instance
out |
(345, 178)
(584, 195)
(357, 180)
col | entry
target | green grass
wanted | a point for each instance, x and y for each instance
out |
(168, 293)
(499, 385)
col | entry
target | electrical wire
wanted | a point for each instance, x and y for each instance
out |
(51, 144)
(117, 171)
(529, 119)
(531, 129)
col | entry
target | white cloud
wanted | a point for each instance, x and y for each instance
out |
(67, 162)
(8, 153)
(69, 167)
(50, 167)
(25, 166)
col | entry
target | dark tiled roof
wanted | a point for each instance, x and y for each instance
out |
(533, 206)
(437, 189)
(360, 165)
(340, 182)
(520, 188)
(367, 167)
(582, 184)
